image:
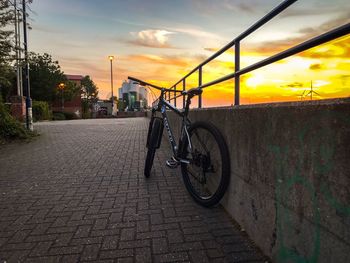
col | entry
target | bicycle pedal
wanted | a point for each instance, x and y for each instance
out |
(172, 163)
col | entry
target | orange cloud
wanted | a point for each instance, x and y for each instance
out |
(316, 66)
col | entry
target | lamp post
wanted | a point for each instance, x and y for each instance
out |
(61, 88)
(111, 60)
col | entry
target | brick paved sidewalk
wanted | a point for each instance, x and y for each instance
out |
(77, 194)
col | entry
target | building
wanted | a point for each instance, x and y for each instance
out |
(102, 108)
(75, 104)
(132, 96)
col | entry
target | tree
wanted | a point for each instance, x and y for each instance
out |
(6, 18)
(71, 90)
(90, 95)
(89, 89)
(7, 80)
(45, 77)
(6, 47)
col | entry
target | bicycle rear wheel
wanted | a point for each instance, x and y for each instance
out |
(207, 175)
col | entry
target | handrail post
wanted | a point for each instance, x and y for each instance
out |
(183, 97)
(175, 95)
(237, 68)
(200, 84)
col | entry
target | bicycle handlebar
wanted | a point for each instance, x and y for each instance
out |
(144, 83)
(190, 93)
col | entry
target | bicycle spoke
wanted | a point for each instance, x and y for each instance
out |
(206, 176)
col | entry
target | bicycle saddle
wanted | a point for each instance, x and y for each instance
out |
(192, 92)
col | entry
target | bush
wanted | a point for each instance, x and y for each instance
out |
(58, 116)
(41, 111)
(86, 115)
(10, 128)
(70, 116)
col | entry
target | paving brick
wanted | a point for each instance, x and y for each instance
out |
(173, 257)
(156, 219)
(86, 241)
(186, 246)
(65, 250)
(142, 226)
(18, 256)
(70, 258)
(102, 233)
(125, 260)
(199, 256)
(100, 223)
(175, 236)
(160, 246)
(165, 227)
(90, 252)
(127, 234)
(18, 246)
(116, 217)
(143, 255)
(76, 194)
(58, 230)
(118, 253)
(110, 242)
(215, 253)
(63, 239)
(46, 259)
(152, 234)
(41, 249)
(134, 244)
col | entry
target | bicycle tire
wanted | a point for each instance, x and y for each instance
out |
(149, 161)
(213, 167)
(153, 142)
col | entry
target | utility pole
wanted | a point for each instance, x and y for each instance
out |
(20, 69)
(17, 50)
(29, 114)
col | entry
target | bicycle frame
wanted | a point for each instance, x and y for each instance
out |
(162, 107)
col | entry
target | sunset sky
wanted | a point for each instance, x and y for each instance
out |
(161, 40)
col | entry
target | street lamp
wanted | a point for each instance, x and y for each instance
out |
(61, 88)
(111, 60)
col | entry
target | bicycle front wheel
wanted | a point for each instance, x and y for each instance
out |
(207, 174)
(154, 138)
(149, 161)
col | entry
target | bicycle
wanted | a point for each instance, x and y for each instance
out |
(201, 150)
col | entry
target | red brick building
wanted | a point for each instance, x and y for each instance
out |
(74, 105)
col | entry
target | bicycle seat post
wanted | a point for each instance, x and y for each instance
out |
(187, 105)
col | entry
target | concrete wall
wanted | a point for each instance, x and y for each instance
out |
(290, 176)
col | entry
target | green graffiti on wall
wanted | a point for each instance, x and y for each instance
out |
(316, 148)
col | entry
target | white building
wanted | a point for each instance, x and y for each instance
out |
(133, 95)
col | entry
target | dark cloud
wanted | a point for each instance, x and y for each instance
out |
(273, 47)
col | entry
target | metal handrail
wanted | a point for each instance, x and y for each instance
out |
(318, 40)
(250, 30)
